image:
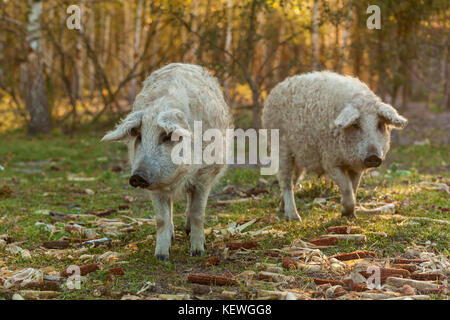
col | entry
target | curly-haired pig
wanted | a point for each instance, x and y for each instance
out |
(329, 124)
(171, 100)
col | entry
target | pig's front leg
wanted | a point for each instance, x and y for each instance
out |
(196, 218)
(346, 187)
(164, 225)
(355, 176)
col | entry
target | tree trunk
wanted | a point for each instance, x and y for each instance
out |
(35, 95)
(256, 106)
(445, 76)
(77, 90)
(106, 44)
(279, 55)
(382, 76)
(228, 41)
(91, 67)
(126, 45)
(315, 35)
(246, 66)
(154, 45)
(345, 38)
(336, 50)
(357, 48)
(137, 41)
(191, 55)
(2, 52)
(201, 43)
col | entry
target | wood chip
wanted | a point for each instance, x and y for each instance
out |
(211, 279)
(117, 271)
(427, 276)
(420, 285)
(358, 238)
(377, 296)
(103, 213)
(62, 244)
(325, 241)
(44, 285)
(320, 281)
(351, 285)
(388, 272)
(37, 295)
(409, 267)
(343, 229)
(289, 263)
(84, 270)
(407, 261)
(242, 245)
(354, 255)
(415, 297)
(274, 277)
(228, 295)
(212, 261)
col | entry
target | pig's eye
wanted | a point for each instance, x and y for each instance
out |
(381, 125)
(165, 137)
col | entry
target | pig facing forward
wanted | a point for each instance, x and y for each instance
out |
(329, 124)
(171, 99)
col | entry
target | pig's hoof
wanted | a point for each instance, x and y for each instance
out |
(350, 215)
(197, 253)
(292, 217)
(162, 257)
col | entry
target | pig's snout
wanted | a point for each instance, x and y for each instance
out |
(372, 161)
(137, 180)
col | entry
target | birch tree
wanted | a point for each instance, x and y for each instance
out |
(136, 46)
(91, 67)
(228, 41)
(77, 90)
(191, 55)
(33, 76)
(345, 38)
(279, 53)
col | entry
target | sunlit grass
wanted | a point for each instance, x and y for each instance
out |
(47, 186)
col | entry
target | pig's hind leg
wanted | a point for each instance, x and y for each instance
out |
(286, 177)
(295, 179)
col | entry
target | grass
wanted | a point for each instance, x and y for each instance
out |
(26, 188)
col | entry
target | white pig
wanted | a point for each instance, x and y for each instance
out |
(329, 124)
(171, 99)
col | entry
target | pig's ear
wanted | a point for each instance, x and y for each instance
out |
(171, 121)
(390, 115)
(347, 117)
(125, 127)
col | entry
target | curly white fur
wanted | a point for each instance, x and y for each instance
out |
(173, 97)
(330, 124)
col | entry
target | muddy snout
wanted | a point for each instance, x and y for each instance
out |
(137, 180)
(372, 161)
